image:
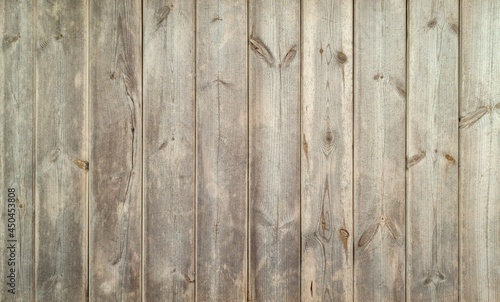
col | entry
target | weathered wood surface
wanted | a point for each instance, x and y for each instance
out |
(169, 156)
(274, 98)
(432, 151)
(314, 150)
(480, 151)
(17, 95)
(115, 151)
(61, 151)
(379, 150)
(327, 120)
(222, 150)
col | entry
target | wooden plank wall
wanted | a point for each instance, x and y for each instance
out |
(271, 150)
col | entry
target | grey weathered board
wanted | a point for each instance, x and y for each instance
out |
(480, 151)
(61, 151)
(432, 152)
(115, 203)
(327, 140)
(271, 150)
(169, 155)
(379, 150)
(274, 182)
(221, 150)
(17, 99)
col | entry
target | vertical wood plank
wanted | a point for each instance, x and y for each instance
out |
(16, 146)
(116, 150)
(480, 151)
(327, 121)
(169, 156)
(379, 150)
(61, 151)
(432, 151)
(274, 81)
(222, 150)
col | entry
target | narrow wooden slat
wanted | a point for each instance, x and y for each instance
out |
(169, 158)
(222, 150)
(115, 151)
(274, 81)
(379, 150)
(327, 120)
(61, 151)
(480, 151)
(16, 147)
(432, 151)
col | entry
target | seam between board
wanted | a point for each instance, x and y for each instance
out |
(299, 147)
(141, 25)
(407, 17)
(248, 153)
(88, 174)
(353, 166)
(459, 78)
(33, 219)
(195, 154)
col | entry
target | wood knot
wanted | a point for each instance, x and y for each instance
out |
(341, 57)
(450, 158)
(290, 55)
(432, 23)
(344, 233)
(415, 159)
(329, 137)
(261, 50)
(13, 39)
(82, 164)
(328, 142)
(454, 27)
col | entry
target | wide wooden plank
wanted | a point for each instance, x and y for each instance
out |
(327, 121)
(16, 149)
(274, 98)
(432, 151)
(480, 151)
(169, 160)
(61, 151)
(115, 151)
(222, 150)
(379, 150)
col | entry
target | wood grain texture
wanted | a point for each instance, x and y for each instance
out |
(327, 121)
(16, 143)
(116, 151)
(61, 151)
(222, 150)
(274, 81)
(432, 151)
(480, 151)
(379, 150)
(169, 155)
